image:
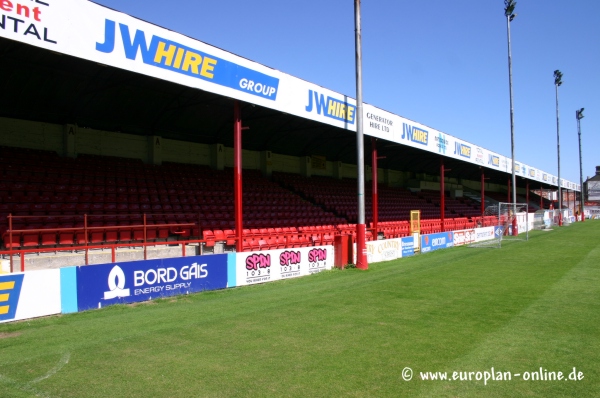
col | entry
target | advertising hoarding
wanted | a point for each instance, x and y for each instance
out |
(272, 265)
(388, 249)
(464, 237)
(485, 233)
(29, 295)
(128, 282)
(408, 246)
(437, 241)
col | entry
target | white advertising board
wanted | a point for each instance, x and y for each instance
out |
(273, 265)
(387, 249)
(29, 295)
(485, 233)
(464, 237)
(382, 250)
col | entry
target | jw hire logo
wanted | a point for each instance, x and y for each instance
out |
(175, 57)
(462, 150)
(330, 107)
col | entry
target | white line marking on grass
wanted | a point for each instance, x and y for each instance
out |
(63, 361)
(28, 386)
(23, 387)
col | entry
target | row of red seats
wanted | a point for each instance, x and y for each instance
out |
(70, 236)
(394, 229)
(272, 238)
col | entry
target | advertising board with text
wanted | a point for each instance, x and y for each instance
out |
(464, 237)
(273, 265)
(388, 249)
(431, 242)
(128, 282)
(485, 233)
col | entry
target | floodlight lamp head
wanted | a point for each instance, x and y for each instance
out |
(512, 17)
(580, 114)
(509, 7)
(558, 77)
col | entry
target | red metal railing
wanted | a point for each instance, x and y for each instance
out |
(311, 236)
(85, 245)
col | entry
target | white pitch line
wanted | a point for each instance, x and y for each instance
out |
(23, 387)
(63, 361)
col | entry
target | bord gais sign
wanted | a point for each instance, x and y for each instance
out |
(107, 284)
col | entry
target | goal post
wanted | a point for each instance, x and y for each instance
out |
(510, 222)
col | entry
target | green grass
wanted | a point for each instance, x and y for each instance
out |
(339, 333)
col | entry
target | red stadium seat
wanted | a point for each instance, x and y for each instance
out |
(31, 239)
(111, 235)
(163, 232)
(16, 240)
(219, 235)
(209, 238)
(125, 235)
(230, 237)
(49, 238)
(66, 238)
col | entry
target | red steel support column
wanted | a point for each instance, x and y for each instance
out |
(559, 204)
(237, 174)
(375, 193)
(145, 238)
(442, 195)
(361, 227)
(581, 204)
(10, 239)
(575, 205)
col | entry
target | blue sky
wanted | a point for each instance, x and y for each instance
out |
(438, 62)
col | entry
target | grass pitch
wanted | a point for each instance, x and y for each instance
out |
(527, 306)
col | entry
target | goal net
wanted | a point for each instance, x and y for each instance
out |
(503, 222)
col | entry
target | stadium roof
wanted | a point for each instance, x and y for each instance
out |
(81, 63)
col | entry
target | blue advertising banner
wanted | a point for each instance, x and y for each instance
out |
(129, 282)
(499, 230)
(408, 246)
(436, 241)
